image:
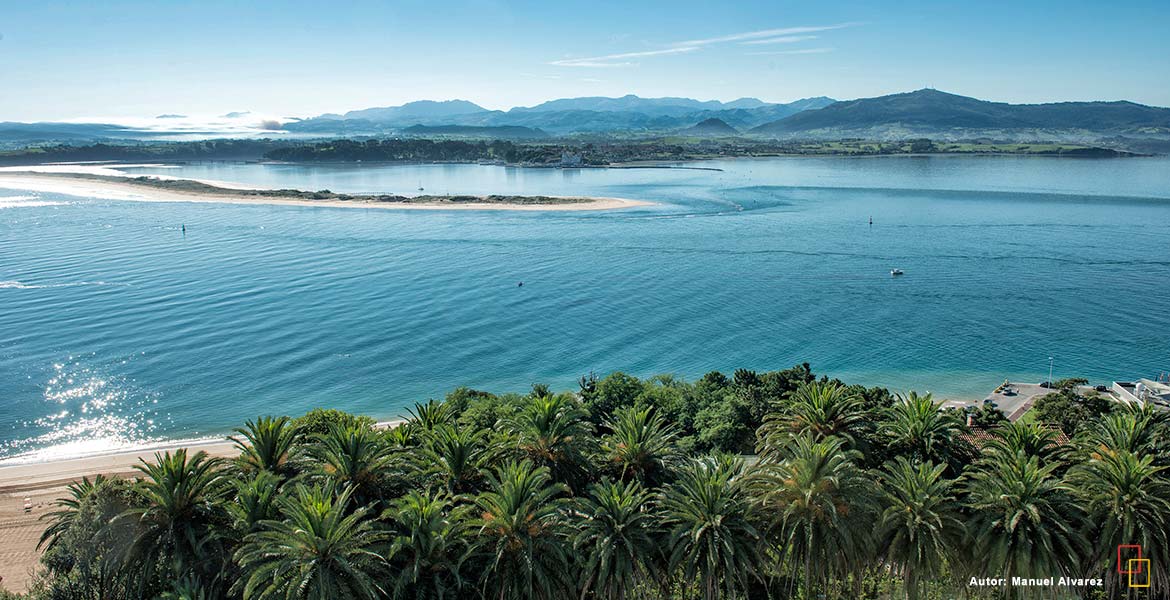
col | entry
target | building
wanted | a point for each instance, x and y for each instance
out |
(571, 160)
(1143, 391)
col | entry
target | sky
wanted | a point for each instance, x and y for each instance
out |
(141, 58)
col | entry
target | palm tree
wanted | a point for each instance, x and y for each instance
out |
(917, 427)
(428, 547)
(616, 539)
(522, 534)
(267, 445)
(1128, 501)
(354, 457)
(643, 445)
(822, 508)
(921, 525)
(431, 415)
(320, 550)
(68, 511)
(1137, 429)
(256, 500)
(1024, 521)
(179, 516)
(552, 431)
(819, 409)
(710, 515)
(1033, 439)
(455, 455)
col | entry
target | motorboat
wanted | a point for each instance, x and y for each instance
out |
(895, 272)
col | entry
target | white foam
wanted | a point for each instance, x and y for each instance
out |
(25, 202)
(19, 285)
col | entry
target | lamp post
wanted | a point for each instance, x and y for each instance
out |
(1050, 371)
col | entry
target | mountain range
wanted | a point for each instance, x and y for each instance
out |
(931, 113)
(922, 113)
(562, 116)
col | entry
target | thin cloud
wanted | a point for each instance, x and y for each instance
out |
(613, 60)
(786, 39)
(801, 51)
(785, 35)
(766, 33)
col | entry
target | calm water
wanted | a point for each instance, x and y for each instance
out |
(116, 328)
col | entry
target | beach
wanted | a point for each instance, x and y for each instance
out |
(40, 484)
(109, 184)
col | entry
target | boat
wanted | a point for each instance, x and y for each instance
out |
(895, 272)
(420, 187)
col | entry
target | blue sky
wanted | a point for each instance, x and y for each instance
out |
(71, 60)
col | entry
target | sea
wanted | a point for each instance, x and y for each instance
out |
(125, 324)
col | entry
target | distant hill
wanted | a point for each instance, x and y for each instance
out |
(422, 109)
(505, 132)
(933, 112)
(594, 114)
(654, 107)
(710, 127)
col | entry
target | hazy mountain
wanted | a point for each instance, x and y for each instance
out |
(710, 127)
(422, 109)
(744, 118)
(171, 116)
(629, 103)
(927, 112)
(560, 117)
(746, 103)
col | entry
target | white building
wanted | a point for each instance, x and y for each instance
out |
(1143, 391)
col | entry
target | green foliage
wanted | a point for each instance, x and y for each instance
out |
(267, 444)
(619, 539)
(1025, 522)
(1069, 408)
(641, 446)
(618, 390)
(987, 417)
(852, 493)
(318, 551)
(522, 534)
(711, 516)
(917, 427)
(320, 421)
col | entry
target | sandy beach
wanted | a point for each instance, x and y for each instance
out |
(39, 484)
(109, 184)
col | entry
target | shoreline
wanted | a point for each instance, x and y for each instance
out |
(55, 472)
(153, 189)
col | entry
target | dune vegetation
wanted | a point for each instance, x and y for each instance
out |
(759, 485)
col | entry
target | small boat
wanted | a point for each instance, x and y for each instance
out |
(895, 272)
(420, 187)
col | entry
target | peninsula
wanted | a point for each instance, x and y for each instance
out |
(112, 186)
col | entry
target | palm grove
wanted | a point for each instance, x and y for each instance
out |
(761, 485)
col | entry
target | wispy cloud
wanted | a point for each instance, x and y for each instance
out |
(619, 60)
(801, 51)
(764, 33)
(784, 35)
(784, 39)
